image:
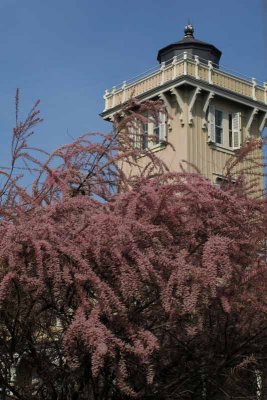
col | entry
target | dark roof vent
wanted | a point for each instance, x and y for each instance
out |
(205, 51)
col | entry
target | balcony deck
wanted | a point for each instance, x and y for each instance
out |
(200, 70)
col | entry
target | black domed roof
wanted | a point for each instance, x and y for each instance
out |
(192, 46)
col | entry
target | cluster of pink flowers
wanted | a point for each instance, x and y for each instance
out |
(137, 282)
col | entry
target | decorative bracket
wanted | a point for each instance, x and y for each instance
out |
(209, 97)
(263, 122)
(253, 112)
(167, 104)
(192, 103)
(112, 117)
(180, 102)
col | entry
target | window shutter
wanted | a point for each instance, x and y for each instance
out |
(236, 130)
(162, 128)
(211, 128)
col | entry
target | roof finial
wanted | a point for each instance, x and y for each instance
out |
(189, 30)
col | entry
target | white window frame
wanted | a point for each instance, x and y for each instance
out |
(230, 126)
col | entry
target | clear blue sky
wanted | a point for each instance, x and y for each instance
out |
(67, 52)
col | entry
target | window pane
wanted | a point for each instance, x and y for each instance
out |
(230, 139)
(230, 121)
(144, 136)
(218, 118)
(145, 128)
(218, 135)
(144, 141)
(156, 135)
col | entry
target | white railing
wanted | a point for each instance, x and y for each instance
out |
(141, 76)
(196, 67)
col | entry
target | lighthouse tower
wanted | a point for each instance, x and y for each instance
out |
(213, 111)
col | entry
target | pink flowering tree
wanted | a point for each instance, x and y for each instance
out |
(115, 287)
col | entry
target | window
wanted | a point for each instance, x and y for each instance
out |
(218, 127)
(151, 133)
(221, 181)
(224, 128)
